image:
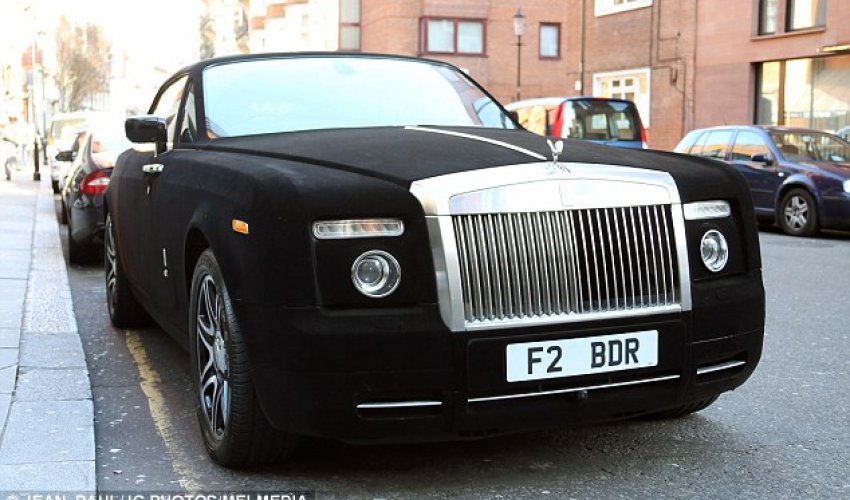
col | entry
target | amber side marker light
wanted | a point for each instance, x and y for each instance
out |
(239, 226)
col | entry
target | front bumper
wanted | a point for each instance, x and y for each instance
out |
(835, 212)
(399, 375)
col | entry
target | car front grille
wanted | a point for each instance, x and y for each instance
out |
(566, 264)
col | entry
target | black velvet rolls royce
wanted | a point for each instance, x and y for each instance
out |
(369, 248)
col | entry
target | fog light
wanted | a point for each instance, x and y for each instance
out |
(714, 250)
(376, 274)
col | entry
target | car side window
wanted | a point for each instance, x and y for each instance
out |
(716, 144)
(696, 149)
(747, 144)
(168, 105)
(188, 125)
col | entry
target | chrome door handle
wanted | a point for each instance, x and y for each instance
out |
(153, 168)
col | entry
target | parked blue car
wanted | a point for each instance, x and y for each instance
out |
(799, 178)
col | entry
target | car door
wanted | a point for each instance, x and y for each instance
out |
(763, 175)
(146, 176)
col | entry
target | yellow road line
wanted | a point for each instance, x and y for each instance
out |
(150, 381)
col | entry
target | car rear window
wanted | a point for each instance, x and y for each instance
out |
(66, 128)
(601, 120)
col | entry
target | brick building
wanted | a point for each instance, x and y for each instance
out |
(783, 62)
(685, 63)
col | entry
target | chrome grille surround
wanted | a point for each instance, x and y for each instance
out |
(533, 244)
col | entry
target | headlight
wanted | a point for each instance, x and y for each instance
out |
(376, 274)
(714, 250)
(847, 186)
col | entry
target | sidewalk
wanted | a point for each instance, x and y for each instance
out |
(46, 413)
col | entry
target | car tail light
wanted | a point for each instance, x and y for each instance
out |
(95, 183)
(643, 136)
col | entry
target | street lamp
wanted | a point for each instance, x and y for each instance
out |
(520, 27)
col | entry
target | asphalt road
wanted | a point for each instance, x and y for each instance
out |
(783, 434)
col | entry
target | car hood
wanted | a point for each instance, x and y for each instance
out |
(841, 169)
(405, 154)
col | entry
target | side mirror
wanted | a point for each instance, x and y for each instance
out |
(147, 129)
(762, 158)
(65, 156)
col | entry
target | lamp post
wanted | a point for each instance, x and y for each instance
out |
(520, 27)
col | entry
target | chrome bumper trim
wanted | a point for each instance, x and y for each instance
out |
(720, 367)
(398, 404)
(575, 389)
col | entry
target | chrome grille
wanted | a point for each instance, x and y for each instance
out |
(567, 263)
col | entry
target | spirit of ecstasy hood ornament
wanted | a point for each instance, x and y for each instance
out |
(557, 148)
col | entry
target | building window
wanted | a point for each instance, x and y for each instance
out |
(802, 14)
(349, 25)
(630, 84)
(550, 40)
(605, 7)
(767, 17)
(453, 36)
(810, 93)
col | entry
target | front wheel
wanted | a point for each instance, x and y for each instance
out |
(798, 214)
(234, 428)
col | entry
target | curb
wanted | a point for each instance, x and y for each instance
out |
(48, 439)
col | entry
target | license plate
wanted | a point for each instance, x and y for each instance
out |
(571, 357)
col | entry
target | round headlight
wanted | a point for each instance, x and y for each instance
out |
(714, 250)
(376, 274)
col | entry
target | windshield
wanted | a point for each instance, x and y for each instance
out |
(283, 95)
(807, 146)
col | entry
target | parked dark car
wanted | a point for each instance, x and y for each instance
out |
(613, 122)
(84, 186)
(367, 248)
(799, 178)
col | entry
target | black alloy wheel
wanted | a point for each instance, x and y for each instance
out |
(798, 213)
(235, 430)
(124, 309)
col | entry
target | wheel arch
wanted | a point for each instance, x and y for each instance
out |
(194, 245)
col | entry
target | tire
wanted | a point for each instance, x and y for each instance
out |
(235, 430)
(63, 213)
(79, 253)
(124, 310)
(682, 411)
(798, 213)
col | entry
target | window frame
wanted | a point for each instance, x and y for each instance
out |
(608, 7)
(179, 82)
(358, 25)
(762, 16)
(424, 36)
(789, 17)
(540, 54)
(645, 117)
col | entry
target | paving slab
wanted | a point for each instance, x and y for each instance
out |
(49, 314)
(8, 357)
(48, 431)
(77, 477)
(15, 263)
(10, 337)
(51, 350)
(8, 377)
(10, 311)
(50, 384)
